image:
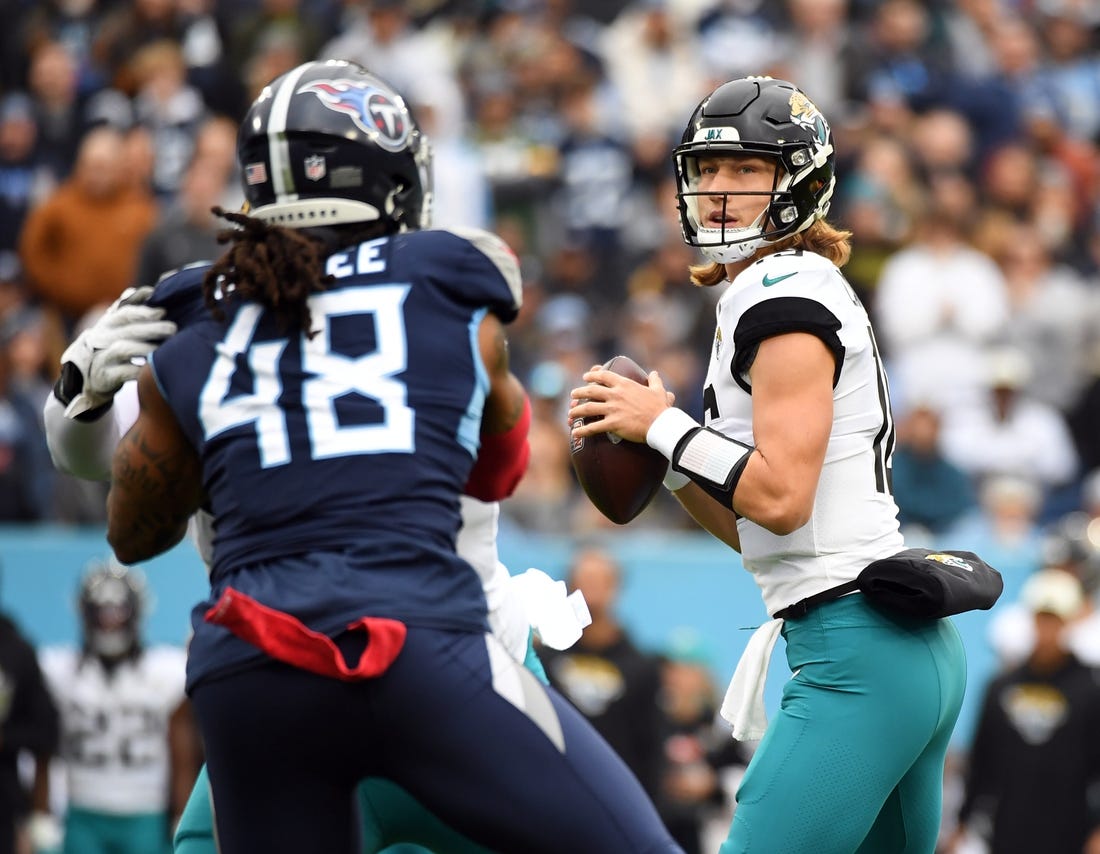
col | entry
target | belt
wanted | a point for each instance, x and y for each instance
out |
(803, 606)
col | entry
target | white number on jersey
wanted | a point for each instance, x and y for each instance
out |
(372, 375)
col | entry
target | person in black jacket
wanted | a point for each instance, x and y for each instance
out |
(1035, 754)
(606, 676)
(28, 723)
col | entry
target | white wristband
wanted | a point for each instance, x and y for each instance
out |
(668, 429)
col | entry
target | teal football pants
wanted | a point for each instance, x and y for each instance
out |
(853, 760)
(88, 832)
(385, 808)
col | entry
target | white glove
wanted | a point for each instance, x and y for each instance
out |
(557, 617)
(45, 832)
(110, 352)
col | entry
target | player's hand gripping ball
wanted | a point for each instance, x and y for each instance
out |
(619, 477)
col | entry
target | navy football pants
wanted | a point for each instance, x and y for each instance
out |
(455, 721)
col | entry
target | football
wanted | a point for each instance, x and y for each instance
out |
(619, 477)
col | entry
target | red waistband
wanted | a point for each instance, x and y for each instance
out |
(287, 639)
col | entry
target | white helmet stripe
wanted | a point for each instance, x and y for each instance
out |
(281, 176)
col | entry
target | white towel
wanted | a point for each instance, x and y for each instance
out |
(743, 705)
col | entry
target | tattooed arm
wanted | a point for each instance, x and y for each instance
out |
(156, 480)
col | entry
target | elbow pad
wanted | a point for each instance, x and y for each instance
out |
(708, 458)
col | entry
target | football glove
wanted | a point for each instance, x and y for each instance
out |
(110, 352)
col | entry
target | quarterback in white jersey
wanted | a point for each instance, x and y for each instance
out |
(854, 517)
(792, 469)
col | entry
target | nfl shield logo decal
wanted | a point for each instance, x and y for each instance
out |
(315, 167)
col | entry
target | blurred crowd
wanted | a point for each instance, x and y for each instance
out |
(967, 134)
(968, 138)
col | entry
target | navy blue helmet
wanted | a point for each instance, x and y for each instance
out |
(329, 143)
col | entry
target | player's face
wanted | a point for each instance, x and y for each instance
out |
(735, 189)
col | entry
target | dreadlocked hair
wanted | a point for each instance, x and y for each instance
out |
(276, 266)
(821, 237)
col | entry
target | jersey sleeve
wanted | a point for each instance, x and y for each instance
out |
(474, 266)
(174, 363)
(85, 449)
(790, 297)
(179, 292)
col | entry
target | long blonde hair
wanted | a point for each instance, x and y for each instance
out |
(821, 238)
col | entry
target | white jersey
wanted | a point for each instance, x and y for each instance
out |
(114, 729)
(854, 519)
(477, 544)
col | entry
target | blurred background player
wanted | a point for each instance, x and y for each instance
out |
(128, 742)
(416, 586)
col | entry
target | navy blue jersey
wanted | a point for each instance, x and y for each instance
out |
(347, 450)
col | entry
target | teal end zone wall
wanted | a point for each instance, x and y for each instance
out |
(671, 580)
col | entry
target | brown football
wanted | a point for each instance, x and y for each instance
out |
(619, 477)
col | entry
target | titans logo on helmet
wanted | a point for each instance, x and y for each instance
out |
(373, 111)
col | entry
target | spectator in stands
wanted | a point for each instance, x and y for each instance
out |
(881, 199)
(1009, 181)
(12, 289)
(64, 114)
(1084, 414)
(126, 29)
(186, 231)
(932, 492)
(819, 49)
(25, 179)
(595, 173)
(1062, 97)
(698, 750)
(80, 246)
(54, 21)
(170, 109)
(989, 93)
(268, 22)
(204, 52)
(937, 303)
(547, 496)
(898, 63)
(605, 675)
(26, 474)
(1035, 756)
(1007, 431)
(1052, 315)
(28, 727)
(654, 66)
